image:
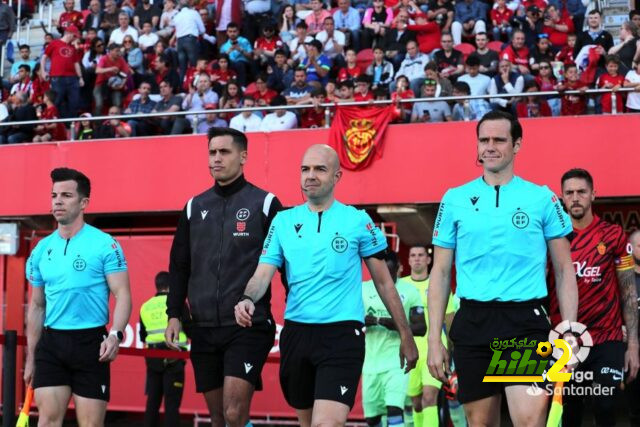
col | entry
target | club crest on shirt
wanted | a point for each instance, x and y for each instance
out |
(602, 248)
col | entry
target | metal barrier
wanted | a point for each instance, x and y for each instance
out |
(325, 105)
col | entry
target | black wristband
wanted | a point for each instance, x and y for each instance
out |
(244, 297)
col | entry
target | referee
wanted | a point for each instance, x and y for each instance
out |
(321, 245)
(71, 272)
(499, 227)
(215, 250)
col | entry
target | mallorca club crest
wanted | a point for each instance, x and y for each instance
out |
(360, 139)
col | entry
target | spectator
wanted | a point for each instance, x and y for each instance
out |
(380, 71)
(463, 110)
(146, 12)
(203, 95)
(49, 131)
(142, 104)
(632, 80)
(347, 20)
(163, 70)
(611, 80)
(430, 111)
(170, 125)
(628, 50)
(239, 51)
(351, 70)
(470, 16)
(363, 89)
(211, 120)
(532, 106)
(403, 92)
(427, 33)
(20, 110)
(478, 84)
(165, 25)
(575, 9)
(517, 53)
(300, 91)
(541, 52)
(330, 89)
(23, 81)
(316, 64)
(84, 129)
(113, 128)
(221, 73)
(94, 18)
(232, 98)
(287, 23)
(566, 53)
(117, 35)
(70, 17)
(66, 74)
(7, 23)
(345, 91)
(280, 119)
(501, 21)
(264, 49)
(547, 83)
(395, 40)
(376, 22)
(506, 81)
(25, 59)
(280, 73)
(557, 26)
(263, 95)
(441, 11)
(573, 105)
(413, 65)
(444, 86)
(110, 19)
(634, 16)
(315, 116)
(256, 14)
(595, 34)
(38, 86)
(315, 20)
(531, 24)
(111, 79)
(227, 11)
(147, 39)
(333, 42)
(297, 45)
(247, 121)
(133, 56)
(448, 59)
(90, 61)
(488, 57)
(189, 27)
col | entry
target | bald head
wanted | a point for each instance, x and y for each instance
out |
(322, 154)
(319, 174)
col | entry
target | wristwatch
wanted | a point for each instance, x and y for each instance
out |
(118, 334)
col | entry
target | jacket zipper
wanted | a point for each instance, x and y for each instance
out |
(497, 187)
(319, 220)
(66, 246)
(224, 208)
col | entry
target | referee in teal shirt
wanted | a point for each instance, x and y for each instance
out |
(321, 244)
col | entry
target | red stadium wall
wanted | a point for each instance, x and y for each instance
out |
(420, 162)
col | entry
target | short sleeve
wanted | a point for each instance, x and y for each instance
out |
(623, 260)
(32, 268)
(555, 221)
(370, 238)
(113, 258)
(445, 230)
(451, 305)
(272, 249)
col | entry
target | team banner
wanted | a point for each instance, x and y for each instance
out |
(356, 134)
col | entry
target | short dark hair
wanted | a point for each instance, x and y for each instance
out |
(462, 87)
(568, 66)
(302, 24)
(516, 128)
(391, 258)
(238, 138)
(24, 46)
(232, 25)
(577, 173)
(633, 13)
(594, 11)
(473, 60)
(431, 65)
(280, 52)
(168, 82)
(25, 67)
(163, 281)
(381, 91)
(531, 83)
(612, 58)
(278, 101)
(67, 174)
(51, 94)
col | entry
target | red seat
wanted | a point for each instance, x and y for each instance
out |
(495, 46)
(364, 58)
(465, 48)
(251, 89)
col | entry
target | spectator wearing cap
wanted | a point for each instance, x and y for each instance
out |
(347, 20)
(300, 91)
(530, 24)
(70, 17)
(315, 20)
(413, 65)
(501, 21)
(396, 38)
(170, 125)
(478, 84)
(25, 59)
(449, 60)
(316, 64)
(297, 45)
(506, 81)
(280, 119)
(141, 104)
(211, 120)
(376, 22)
(189, 27)
(65, 71)
(113, 128)
(558, 26)
(112, 72)
(469, 19)
(517, 53)
(333, 42)
(240, 52)
(363, 90)
(84, 129)
(117, 35)
(430, 111)
(265, 46)
(198, 98)
(247, 121)
(20, 110)
(380, 70)
(427, 33)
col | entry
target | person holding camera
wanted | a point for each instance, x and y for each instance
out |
(112, 72)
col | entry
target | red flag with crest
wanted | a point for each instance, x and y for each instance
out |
(356, 134)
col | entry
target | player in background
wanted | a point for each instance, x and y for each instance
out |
(632, 390)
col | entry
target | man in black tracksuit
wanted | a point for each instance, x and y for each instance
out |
(215, 250)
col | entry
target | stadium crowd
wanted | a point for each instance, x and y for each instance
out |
(122, 57)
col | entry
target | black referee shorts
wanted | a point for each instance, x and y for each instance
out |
(476, 325)
(320, 361)
(70, 358)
